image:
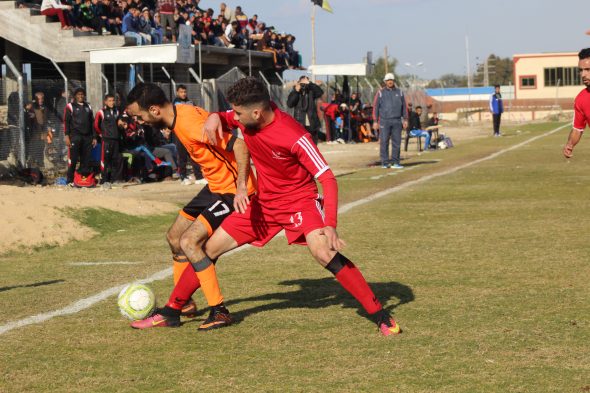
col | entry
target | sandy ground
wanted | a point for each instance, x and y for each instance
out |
(33, 216)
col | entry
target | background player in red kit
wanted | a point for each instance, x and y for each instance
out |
(287, 162)
(581, 105)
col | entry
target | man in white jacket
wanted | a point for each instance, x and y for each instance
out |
(54, 7)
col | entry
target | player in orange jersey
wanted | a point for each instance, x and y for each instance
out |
(226, 167)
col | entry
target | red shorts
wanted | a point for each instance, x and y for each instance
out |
(259, 224)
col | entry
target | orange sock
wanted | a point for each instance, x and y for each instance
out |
(180, 263)
(210, 285)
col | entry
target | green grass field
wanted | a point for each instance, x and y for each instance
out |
(486, 269)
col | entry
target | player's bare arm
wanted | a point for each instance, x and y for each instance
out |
(242, 154)
(572, 141)
(212, 128)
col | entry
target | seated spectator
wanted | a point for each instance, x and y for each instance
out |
(89, 17)
(251, 26)
(292, 54)
(231, 34)
(130, 26)
(147, 27)
(54, 7)
(415, 128)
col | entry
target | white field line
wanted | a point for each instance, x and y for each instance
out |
(103, 263)
(163, 274)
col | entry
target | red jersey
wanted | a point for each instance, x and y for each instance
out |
(285, 157)
(582, 110)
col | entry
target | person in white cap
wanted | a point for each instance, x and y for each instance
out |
(390, 117)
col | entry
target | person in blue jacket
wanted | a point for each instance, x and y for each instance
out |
(497, 108)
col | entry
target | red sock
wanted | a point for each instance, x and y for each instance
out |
(353, 281)
(184, 288)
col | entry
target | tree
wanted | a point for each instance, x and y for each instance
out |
(379, 68)
(448, 80)
(500, 71)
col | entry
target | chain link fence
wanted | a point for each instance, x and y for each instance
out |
(38, 141)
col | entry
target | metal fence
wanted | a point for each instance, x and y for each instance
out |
(38, 139)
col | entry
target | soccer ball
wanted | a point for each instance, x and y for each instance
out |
(442, 145)
(136, 301)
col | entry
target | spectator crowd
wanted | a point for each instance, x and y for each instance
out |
(105, 143)
(159, 21)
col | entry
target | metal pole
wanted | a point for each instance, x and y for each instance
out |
(194, 75)
(21, 109)
(281, 79)
(249, 62)
(200, 64)
(265, 80)
(115, 78)
(106, 81)
(172, 83)
(151, 72)
(64, 77)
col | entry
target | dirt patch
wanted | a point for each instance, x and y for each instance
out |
(34, 216)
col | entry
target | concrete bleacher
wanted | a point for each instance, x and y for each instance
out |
(29, 29)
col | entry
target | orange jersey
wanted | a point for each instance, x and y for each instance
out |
(217, 162)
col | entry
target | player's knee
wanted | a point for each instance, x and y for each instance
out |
(323, 256)
(173, 242)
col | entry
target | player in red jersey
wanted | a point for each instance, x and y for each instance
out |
(287, 162)
(581, 105)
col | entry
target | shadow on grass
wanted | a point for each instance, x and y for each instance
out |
(36, 284)
(322, 293)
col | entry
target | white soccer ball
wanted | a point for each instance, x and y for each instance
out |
(136, 301)
(442, 145)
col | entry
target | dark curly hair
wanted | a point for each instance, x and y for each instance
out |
(248, 91)
(584, 53)
(146, 95)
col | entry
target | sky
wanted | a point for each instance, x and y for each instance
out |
(428, 31)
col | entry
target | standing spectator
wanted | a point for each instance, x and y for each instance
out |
(54, 7)
(183, 156)
(39, 135)
(166, 9)
(30, 131)
(390, 116)
(105, 125)
(241, 18)
(303, 98)
(80, 137)
(497, 108)
(227, 13)
(355, 106)
(130, 26)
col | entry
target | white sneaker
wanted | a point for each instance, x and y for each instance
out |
(201, 181)
(186, 182)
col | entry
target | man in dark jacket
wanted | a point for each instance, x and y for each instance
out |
(303, 98)
(105, 125)
(390, 115)
(79, 135)
(497, 108)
